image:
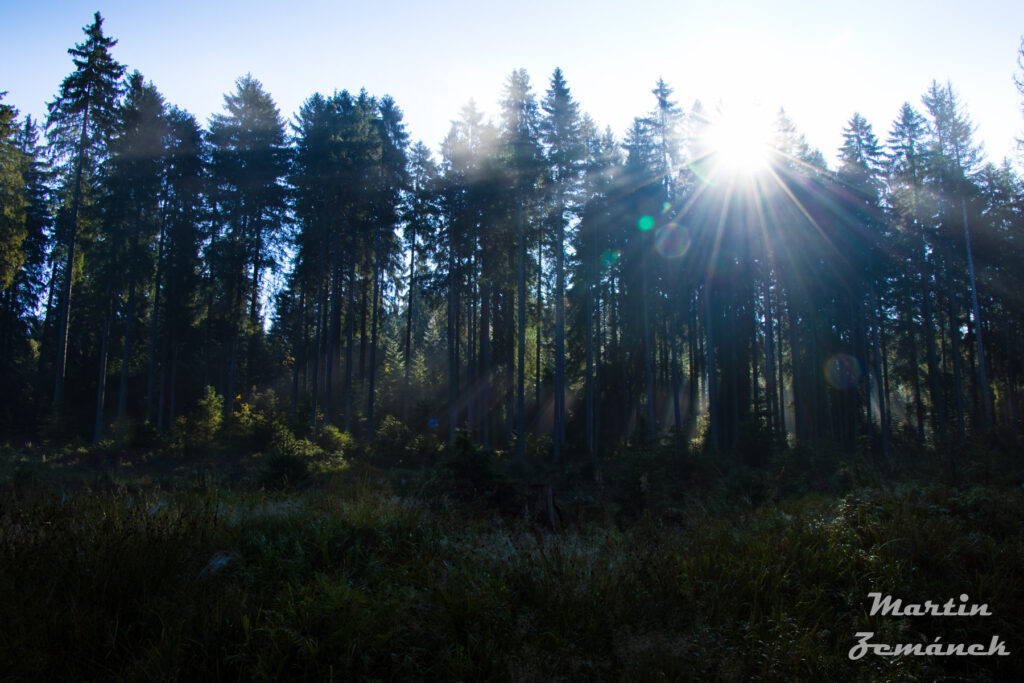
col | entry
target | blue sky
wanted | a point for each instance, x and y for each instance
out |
(821, 61)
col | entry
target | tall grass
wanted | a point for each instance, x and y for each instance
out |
(348, 582)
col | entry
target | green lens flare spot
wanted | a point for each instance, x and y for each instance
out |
(645, 223)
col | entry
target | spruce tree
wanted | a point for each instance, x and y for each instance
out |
(80, 121)
(26, 220)
(523, 161)
(175, 317)
(134, 220)
(565, 152)
(908, 203)
(12, 197)
(420, 222)
(249, 162)
(859, 175)
(955, 159)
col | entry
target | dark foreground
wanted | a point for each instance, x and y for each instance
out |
(351, 572)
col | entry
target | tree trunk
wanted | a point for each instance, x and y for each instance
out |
(101, 382)
(986, 394)
(771, 394)
(677, 413)
(485, 353)
(521, 334)
(154, 321)
(378, 275)
(648, 369)
(322, 281)
(129, 322)
(333, 281)
(540, 332)
(589, 378)
(470, 391)
(1011, 380)
(453, 388)
(915, 375)
(712, 382)
(408, 325)
(559, 435)
(64, 323)
(958, 385)
(350, 323)
(934, 384)
(883, 420)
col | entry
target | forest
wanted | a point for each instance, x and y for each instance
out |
(641, 358)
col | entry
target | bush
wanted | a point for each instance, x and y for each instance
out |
(209, 416)
(289, 460)
(471, 474)
(391, 442)
(257, 431)
(333, 440)
(200, 429)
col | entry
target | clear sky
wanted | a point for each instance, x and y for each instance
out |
(821, 60)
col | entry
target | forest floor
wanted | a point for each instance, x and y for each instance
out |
(122, 563)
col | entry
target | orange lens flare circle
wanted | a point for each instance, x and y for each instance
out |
(843, 371)
(672, 240)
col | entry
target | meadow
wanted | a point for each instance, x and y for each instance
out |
(268, 557)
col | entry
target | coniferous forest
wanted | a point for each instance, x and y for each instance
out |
(301, 398)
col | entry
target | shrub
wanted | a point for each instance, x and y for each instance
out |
(391, 442)
(333, 440)
(289, 460)
(198, 430)
(208, 417)
(256, 431)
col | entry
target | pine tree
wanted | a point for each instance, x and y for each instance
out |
(249, 161)
(26, 209)
(595, 247)
(174, 320)
(420, 221)
(462, 166)
(665, 121)
(314, 173)
(859, 175)
(134, 220)
(523, 160)
(561, 134)
(12, 197)
(1018, 80)
(906, 171)
(391, 181)
(955, 159)
(80, 122)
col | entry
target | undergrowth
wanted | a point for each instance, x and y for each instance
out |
(265, 552)
(348, 581)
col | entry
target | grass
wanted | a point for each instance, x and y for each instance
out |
(343, 579)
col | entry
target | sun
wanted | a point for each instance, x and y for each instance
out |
(738, 141)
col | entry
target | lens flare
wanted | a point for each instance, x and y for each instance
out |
(645, 223)
(672, 240)
(609, 257)
(843, 371)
